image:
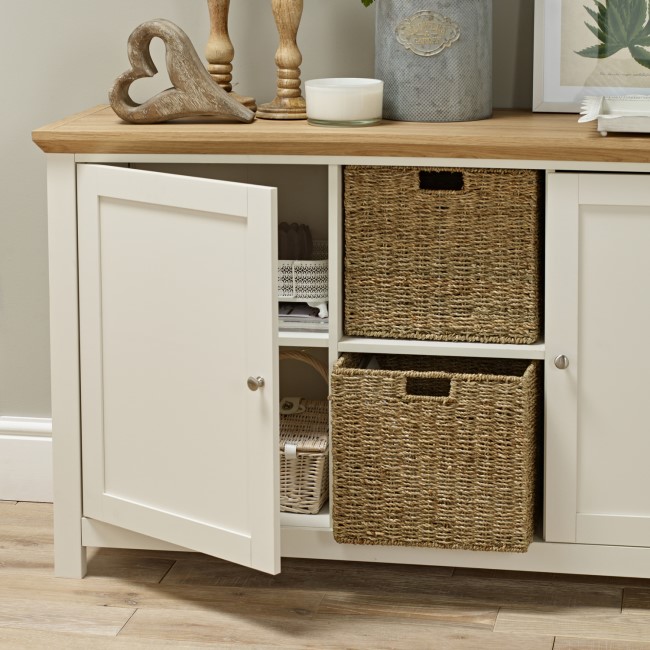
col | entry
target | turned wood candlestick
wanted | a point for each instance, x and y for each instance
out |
(220, 52)
(289, 104)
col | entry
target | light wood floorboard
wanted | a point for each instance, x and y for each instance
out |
(39, 614)
(557, 578)
(16, 639)
(322, 574)
(35, 515)
(636, 600)
(249, 629)
(413, 609)
(565, 643)
(128, 592)
(141, 600)
(499, 591)
(582, 623)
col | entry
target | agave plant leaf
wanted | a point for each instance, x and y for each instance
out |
(601, 51)
(640, 55)
(646, 30)
(619, 24)
(600, 17)
(616, 21)
(633, 14)
(597, 32)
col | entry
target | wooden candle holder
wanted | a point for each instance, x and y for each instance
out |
(219, 51)
(289, 103)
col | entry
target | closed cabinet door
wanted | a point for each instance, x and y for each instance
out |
(179, 360)
(597, 483)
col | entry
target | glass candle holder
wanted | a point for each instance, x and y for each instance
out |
(344, 101)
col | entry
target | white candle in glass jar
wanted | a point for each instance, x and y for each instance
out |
(344, 102)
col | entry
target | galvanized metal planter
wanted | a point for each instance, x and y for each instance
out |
(435, 58)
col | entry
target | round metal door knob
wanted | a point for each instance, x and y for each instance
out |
(561, 362)
(254, 383)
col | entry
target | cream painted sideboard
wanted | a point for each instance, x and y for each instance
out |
(158, 441)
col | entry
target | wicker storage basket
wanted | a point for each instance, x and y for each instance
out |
(305, 280)
(434, 451)
(449, 255)
(304, 448)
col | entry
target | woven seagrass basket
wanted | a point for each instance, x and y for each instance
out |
(304, 448)
(443, 254)
(434, 451)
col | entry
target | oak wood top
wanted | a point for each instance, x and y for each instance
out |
(517, 135)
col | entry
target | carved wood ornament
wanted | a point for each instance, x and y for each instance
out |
(194, 92)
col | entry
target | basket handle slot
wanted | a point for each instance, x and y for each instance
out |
(445, 181)
(428, 386)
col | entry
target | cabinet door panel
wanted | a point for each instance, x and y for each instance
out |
(177, 311)
(614, 308)
(610, 318)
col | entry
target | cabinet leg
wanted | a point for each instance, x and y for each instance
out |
(69, 553)
(69, 559)
(70, 562)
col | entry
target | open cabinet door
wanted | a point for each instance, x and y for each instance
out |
(177, 311)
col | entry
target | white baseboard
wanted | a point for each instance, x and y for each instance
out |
(25, 459)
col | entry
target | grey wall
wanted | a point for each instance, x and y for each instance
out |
(61, 57)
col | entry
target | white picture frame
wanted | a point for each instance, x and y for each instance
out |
(561, 77)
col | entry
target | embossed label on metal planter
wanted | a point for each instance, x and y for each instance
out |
(427, 33)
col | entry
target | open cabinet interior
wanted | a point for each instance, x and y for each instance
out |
(302, 189)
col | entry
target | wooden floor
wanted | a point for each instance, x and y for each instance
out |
(146, 599)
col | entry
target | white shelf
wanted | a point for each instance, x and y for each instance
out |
(321, 520)
(441, 348)
(291, 338)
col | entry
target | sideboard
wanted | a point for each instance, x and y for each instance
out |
(162, 244)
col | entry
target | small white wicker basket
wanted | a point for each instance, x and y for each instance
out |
(305, 280)
(304, 448)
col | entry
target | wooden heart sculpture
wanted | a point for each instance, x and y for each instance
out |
(194, 92)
